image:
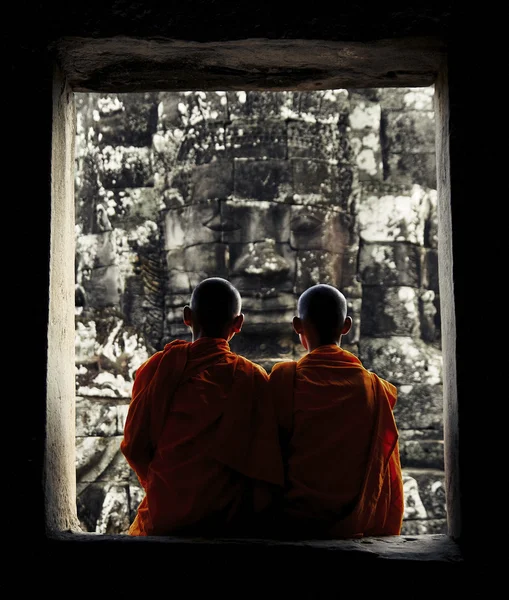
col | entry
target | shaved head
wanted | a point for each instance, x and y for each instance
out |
(325, 308)
(215, 302)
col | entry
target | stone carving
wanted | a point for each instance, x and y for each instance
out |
(275, 191)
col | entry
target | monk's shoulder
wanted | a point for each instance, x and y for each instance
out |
(150, 365)
(176, 344)
(249, 367)
(283, 368)
(389, 388)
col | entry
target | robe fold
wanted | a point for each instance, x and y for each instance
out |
(340, 447)
(201, 435)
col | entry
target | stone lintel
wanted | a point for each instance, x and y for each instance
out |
(127, 64)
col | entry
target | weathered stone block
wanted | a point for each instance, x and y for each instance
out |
(85, 341)
(412, 168)
(126, 120)
(367, 155)
(175, 314)
(132, 207)
(431, 231)
(95, 418)
(203, 143)
(256, 304)
(330, 182)
(429, 306)
(104, 508)
(364, 115)
(402, 360)
(104, 287)
(394, 218)
(257, 346)
(314, 228)
(177, 300)
(315, 266)
(422, 454)
(388, 311)
(328, 106)
(189, 225)
(106, 251)
(121, 167)
(409, 132)
(244, 221)
(424, 527)
(176, 331)
(316, 141)
(401, 99)
(201, 183)
(424, 493)
(85, 253)
(99, 379)
(351, 339)
(210, 181)
(431, 484)
(170, 111)
(391, 264)
(364, 136)
(180, 110)
(256, 105)
(180, 183)
(369, 165)
(265, 140)
(414, 506)
(267, 335)
(261, 179)
(420, 406)
(205, 260)
(122, 409)
(177, 277)
(187, 267)
(108, 369)
(94, 455)
(144, 300)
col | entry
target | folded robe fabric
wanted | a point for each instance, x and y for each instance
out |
(340, 443)
(199, 429)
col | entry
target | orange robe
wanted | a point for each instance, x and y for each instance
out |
(201, 435)
(340, 447)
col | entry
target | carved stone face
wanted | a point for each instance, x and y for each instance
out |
(259, 192)
(270, 249)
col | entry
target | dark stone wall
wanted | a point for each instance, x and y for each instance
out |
(473, 39)
(275, 191)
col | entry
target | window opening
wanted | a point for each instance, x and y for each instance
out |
(275, 191)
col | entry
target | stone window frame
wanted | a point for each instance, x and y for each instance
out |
(108, 71)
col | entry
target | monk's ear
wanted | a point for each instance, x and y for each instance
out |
(347, 325)
(297, 325)
(188, 316)
(237, 323)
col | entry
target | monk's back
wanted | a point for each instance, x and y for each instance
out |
(337, 431)
(201, 435)
(184, 471)
(333, 420)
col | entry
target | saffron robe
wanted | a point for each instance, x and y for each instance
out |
(340, 446)
(202, 437)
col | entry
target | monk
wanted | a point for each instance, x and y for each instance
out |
(338, 434)
(200, 432)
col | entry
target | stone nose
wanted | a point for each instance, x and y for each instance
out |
(261, 260)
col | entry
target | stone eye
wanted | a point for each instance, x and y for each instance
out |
(221, 224)
(305, 224)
